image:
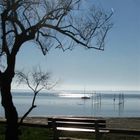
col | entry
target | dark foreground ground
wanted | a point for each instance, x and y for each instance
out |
(35, 133)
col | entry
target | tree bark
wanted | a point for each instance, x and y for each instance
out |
(11, 114)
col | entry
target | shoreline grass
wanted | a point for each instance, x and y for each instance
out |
(34, 133)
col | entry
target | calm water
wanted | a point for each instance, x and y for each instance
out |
(106, 104)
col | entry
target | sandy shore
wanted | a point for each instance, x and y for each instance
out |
(123, 123)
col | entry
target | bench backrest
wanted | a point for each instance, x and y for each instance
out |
(87, 123)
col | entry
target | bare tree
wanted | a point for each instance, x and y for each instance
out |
(36, 80)
(48, 23)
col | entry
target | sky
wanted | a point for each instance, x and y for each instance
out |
(116, 68)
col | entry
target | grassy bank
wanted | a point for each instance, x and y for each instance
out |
(34, 133)
(30, 133)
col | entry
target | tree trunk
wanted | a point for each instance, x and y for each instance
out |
(10, 110)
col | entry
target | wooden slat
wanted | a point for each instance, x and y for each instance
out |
(75, 129)
(79, 124)
(78, 119)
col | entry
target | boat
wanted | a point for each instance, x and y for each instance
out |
(85, 97)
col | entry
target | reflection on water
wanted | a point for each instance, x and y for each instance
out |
(109, 104)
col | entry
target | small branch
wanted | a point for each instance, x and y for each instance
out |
(26, 16)
(53, 37)
(15, 20)
(103, 38)
(41, 46)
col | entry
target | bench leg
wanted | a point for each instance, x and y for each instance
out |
(55, 132)
(98, 136)
(55, 135)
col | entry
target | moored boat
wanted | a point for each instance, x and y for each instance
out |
(85, 97)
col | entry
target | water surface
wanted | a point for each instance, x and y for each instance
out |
(104, 104)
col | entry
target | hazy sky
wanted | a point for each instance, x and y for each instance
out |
(116, 68)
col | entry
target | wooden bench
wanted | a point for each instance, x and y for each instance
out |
(86, 125)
